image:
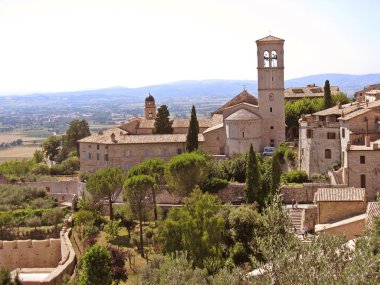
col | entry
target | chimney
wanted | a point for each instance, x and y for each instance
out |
(367, 140)
(113, 139)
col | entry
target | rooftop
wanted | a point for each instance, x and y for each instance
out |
(373, 211)
(340, 194)
(310, 91)
(270, 38)
(243, 97)
(242, 115)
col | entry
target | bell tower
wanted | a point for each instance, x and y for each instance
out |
(270, 70)
(150, 108)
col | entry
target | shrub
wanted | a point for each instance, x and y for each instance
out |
(112, 230)
(213, 185)
(40, 169)
(294, 176)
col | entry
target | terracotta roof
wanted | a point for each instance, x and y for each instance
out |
(121, 137)
(354, 114)
(269, 38)
(242, 115)
(149, 98)
(373, 210)
(340, 194)
(243, 97)
(308, 92)
(218, 126)
(346, 109)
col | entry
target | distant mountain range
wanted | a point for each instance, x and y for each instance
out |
(215, 87)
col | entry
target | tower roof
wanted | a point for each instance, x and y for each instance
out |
(149, 98)
(243, 97)
(270, 38)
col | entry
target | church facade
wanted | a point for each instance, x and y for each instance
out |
(242, 121)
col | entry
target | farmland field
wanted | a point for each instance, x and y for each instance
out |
(17, 152)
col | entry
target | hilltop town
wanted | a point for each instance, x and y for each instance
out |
(278, 188)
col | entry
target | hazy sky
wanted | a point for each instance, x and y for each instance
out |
(54, 45)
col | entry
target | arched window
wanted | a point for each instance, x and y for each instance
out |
(266, 58)
(150, 115)
(274, 58)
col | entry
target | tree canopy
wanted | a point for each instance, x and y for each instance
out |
(78, 129)
(252, 182)
(51, 146)
(327, 95)
(162, 123)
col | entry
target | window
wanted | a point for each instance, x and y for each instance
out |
(343, 133)
(146, 152)
(89, 156)
(89, 146)
(266, 58)
(331, 136)
(362, 181)
(243, 134)
(328, 153)
(271, 143)
(309, 134)
(362, 159)
(106, 157)
(271, 127)
(150, 115)
(179, 150)
(165, 152)
(97, 147)
(302, 151)
(97, 156)
(270, 109)
(127, 153)
(274, 59)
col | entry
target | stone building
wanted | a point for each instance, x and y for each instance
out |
(242, 121)
(344, 140)
(311, 91)
(360, 95)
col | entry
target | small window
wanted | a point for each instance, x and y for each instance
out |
(362, 181)
(89, 146)
(179, 150)
(274, 59)
(343, 133)
(127, 153)
(302, 151)
(331, 136)
(97, 147)
(270, 109)
(146, 152)
(266, 58)
(106, 157)
(328, 153)
(97, 156)
(309, 134)
(271, 127)
(362, 159)
(89, 156)
(271, 143)
(150, 115)
(243, 134)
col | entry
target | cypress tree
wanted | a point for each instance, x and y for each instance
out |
(276, 172)
(252, 180)
(192, 133)
(162, 124)
(327, 95)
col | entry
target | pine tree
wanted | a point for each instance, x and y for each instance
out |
(162, 124)
(276, 172)
(327, 93)
(252, 180)
(192, 133)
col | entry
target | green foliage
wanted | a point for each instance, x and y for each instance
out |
(196, 228)
(112, 230)
(285, 153)
(40, 169)
(106, 184)
(137, 190)
(51, 146)
(294, 176)
(239, 254)
(252, 181)
(78, 129)
(5, 276)
(53, 216)
(96, 267)
(16, 168)
(125, 214)
(327, 95)
(276, 172)
(184, 171)
(232, 169)
(213, 185)
(38, 156)
(85, 224)
(192, 133)
(162, 124)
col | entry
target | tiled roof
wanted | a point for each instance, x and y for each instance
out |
(121, 137)
(346, 109)
(308, 92)
(354, 114)
(340, 194)
(243, 97)
(373, 210)
(218, 126)
(241, 115)
(269, 39)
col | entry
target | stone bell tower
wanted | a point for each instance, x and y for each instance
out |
(150, 108)
(270, 69)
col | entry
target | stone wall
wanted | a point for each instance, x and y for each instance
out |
(331, 211)
(231, 191)
(309, 218)
(30, 253)
(350, 228)
(303, 193)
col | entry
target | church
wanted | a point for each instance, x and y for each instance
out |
(242, 121)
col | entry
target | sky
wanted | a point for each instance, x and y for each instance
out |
(54, 45)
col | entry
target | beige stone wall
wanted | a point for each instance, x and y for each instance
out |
(309, 218)
(312, 150)
(30, 253)
(215, 141)
(302, 193)
(329, 212)
(371, 170)
(236, 143)
(231, 191)
(124, 156)
(350, 230)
